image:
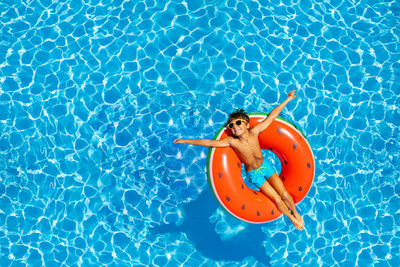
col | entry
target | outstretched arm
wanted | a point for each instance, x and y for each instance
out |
(204, 142)
(274, 114)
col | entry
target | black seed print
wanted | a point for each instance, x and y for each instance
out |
(300, 188)
(227, 198)
(285, 162)
(279, 130)
(238, 164)
(272, 212)
(242, 186)
(220, 175)
(255, 192)
(270, 148)
(294, 146)
(243, 207)
(258, 213)
(283, 178)
(308, 165)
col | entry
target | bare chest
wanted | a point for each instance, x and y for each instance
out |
(247, 149)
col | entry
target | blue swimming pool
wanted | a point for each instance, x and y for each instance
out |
(93, 92)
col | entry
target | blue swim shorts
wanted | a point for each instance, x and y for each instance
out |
(258, 176)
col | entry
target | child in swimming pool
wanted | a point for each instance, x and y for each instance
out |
(244, 141)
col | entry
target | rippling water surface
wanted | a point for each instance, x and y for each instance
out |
(92, 94)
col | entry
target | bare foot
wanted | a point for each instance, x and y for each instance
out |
(299, 218)
(297, 224)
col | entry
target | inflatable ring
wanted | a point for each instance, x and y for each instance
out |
(225, 171)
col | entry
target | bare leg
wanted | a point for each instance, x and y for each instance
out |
(270, 192)
(276, 182)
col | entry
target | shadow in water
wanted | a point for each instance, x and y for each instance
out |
(201, 232)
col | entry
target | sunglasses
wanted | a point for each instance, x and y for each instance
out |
(238, 122)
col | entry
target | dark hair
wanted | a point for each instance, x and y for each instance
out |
(238, 114)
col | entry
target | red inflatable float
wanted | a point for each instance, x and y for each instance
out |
(225, 175)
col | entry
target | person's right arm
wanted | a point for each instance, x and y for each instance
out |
(204, 142)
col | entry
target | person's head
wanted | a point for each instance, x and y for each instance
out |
(238, 120)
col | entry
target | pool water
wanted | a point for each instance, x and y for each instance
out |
(93, 93)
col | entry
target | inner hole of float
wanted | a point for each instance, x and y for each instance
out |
(273, 160)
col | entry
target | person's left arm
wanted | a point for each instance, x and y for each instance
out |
(273, 115)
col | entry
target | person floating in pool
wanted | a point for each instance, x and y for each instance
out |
(244, 141)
